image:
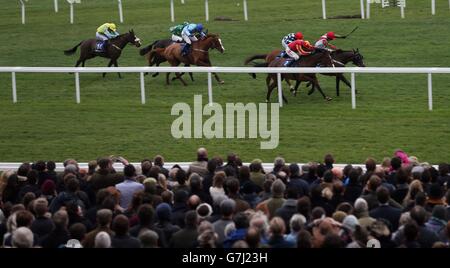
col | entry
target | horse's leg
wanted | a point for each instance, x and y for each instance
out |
(190, 74)
(79, 62)
(297, 85)
(344, 79)
(167, 78)
(109, 65)
(337, 84)
(181, 79)
(316, 84)
(270, 87)
(117, 65)
(313, 86)
(84, 62)
(207, 63)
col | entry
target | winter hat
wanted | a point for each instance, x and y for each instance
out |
(350, 222)
(163, 211)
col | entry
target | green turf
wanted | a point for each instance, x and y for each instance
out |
(391, 112)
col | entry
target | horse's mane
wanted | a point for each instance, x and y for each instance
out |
(212, 35)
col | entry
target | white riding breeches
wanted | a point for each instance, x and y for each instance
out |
(291, 53)
(176, 38)
(189, 39)
(101, 37)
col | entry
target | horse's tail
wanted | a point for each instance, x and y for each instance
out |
(73, 50)
(147, 49)
(255, 57)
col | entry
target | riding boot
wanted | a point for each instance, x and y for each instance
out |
(185, 50)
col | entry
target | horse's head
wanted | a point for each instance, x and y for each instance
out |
(133, 39)
(216, 42)
(357, 58)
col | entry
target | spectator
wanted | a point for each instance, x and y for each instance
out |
(121, 237)
(208, 180)
(195, 185)
(163, 212)
(22, 237)
(362, 213)
(148, 239)
(288, 208)
(426, 238)
(438, 221)
(227, 208)
(179, 208)
(129, 186)
(232, 185)
(276, 201)
(77, 232)
(72, 194)
(353, 189)
(296, 182)
(104, 218)
(257, 173)
(241, 224)
(106, 176)
(42, 225)
(201, 165)
(216, 190)
(146, 215)
(60, 235)
(102, 240)
(402, 186)
(159, 161)
(296, 224)
(277, 231)
(384, 210)
(186, 237)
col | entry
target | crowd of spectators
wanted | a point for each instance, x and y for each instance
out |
(398, 202)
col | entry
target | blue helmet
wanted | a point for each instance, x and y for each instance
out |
(199, 27)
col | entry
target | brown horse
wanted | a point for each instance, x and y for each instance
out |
(154, 58)
(320, 57)
(340, 59)
(112, 51)
(199, 54)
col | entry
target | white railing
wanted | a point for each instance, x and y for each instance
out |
(210, 70)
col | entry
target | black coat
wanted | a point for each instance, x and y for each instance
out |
(185, 238)
(300, 185)
(42, 226)
(387, 212)
(352, 192)
(124, 241)
(288, 209)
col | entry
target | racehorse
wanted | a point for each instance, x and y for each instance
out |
(320, 57)
(112, 51)
(199, 54)
(340, 58)
(154, 58)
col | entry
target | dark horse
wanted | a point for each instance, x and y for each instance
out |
(340, 58)
(199, 54)
(319, 57)
(154, 58)
(112, 51)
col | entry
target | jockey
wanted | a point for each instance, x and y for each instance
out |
(189, 35)
(289, 39)
(299, 48)
(323, 41)
(105, 32)
(176, 32)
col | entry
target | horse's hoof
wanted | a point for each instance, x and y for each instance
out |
(267, 101)
(310, 92)
(222, 82)
(328, 99)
